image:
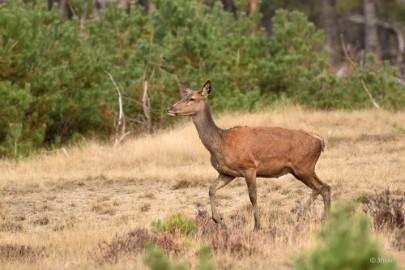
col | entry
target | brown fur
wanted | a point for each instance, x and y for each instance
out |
(271, 152)
(252, 152)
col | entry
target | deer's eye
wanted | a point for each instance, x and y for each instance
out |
(191, 99)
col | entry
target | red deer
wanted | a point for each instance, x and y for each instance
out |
(252, 152)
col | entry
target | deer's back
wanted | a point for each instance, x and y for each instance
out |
(271, 151)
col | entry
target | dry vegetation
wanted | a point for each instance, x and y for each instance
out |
(68, 212)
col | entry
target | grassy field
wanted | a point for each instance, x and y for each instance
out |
(62, 211)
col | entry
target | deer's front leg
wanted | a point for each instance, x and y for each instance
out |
(220, 182)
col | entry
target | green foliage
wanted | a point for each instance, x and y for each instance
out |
(345, 243)
(311, 8)
(298, 70)
(394, 10)
(347, 5)
(155, 259)
(203, 42)
(204, 262)
(13, 103)
(53, 77)
(328, 91)
(296, 54)
(175, 223)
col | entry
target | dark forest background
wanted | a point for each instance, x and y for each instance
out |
(67, 66)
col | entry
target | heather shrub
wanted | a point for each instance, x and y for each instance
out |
(132, 244)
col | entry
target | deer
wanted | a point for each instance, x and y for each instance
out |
(251, 152)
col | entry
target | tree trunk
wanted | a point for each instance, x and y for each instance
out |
(65, 10)
(371, 38)
(252, 6)
(230, 6)
(331, 26)
(50, 4)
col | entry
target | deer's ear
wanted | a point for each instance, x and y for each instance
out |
(206, 88)
(183, 89)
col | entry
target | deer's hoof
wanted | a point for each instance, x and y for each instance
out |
(219, 220)
(216, 219)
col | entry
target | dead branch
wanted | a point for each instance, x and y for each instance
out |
(369, 94)
(120, 125)
(346, 51)
(146, 105)
(62, 149)
(348, 58)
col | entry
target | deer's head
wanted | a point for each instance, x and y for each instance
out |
(192, 102)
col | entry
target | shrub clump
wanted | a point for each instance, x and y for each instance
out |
(133, 243)
(155, 259)
(387, 213)
(204, 261)
(345, 243)
(21, 252)
(385, 210)
(175, 223)
(227, 239)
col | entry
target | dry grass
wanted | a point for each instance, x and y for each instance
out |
(55, 211)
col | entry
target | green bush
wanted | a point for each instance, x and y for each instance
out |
(53, 77)
(298, 65)
(204, 261)
(296, 54)
(14, 102)
(175, 223)
(52, 80)
(328, 91)
(345, 243)
(155, 259)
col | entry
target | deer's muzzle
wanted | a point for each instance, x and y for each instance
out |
(170, 111)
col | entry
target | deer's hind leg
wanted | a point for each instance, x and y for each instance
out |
(250, 177)
(311, 180)
(222, 181)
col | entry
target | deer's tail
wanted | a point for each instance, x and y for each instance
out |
(320, 139)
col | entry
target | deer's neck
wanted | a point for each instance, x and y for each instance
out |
(208, 131)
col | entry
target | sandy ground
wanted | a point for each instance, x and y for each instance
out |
(67, 205)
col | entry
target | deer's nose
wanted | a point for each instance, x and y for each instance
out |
(170, 111)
